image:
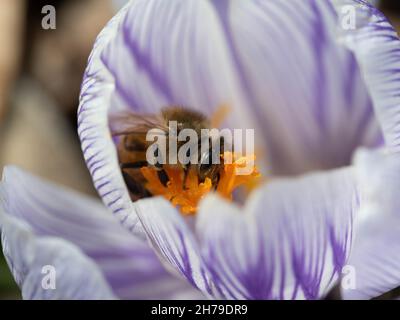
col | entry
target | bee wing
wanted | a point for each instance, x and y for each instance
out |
(124, 123)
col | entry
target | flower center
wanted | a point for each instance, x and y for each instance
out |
(184, 190)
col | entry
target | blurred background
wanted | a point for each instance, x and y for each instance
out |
(40, 75)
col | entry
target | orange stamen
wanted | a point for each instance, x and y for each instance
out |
(230, 180)
(187, 193)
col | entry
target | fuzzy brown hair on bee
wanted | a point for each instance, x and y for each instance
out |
(131, 130)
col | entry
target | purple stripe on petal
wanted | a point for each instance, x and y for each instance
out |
(290, 241)
(374, 257)
(76, 276)
(53, 211)
(142, 59)
(97, 145)
(298, 97)
(376, 45)
(172, 238)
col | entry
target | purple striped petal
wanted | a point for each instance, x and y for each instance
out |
(97, 145)
(128, 263)
(173, 239)
(290, 241)
(375, 256)
(30, 258)
(174, 54)
(310, 99)
(376, 46)
(305, 91)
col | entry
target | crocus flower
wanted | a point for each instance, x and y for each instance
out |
(315, 92)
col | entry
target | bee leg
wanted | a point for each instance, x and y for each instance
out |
(218, 177)
(185, 175)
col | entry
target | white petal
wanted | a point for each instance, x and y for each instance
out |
(128, 263)
(50, 268)
(97, 145)
(290, 240)
(375, 257)
(174, 241)
(376, 46)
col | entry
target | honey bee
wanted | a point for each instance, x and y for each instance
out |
(132, 146)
